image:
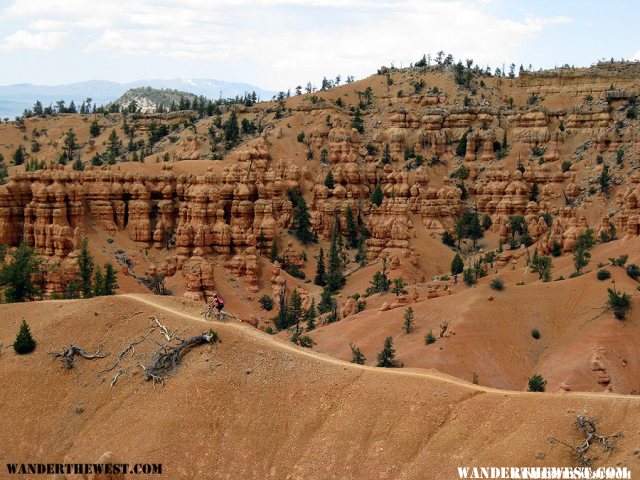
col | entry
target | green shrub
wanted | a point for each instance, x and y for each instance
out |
(535, 333)
(294, 271)
(357, 355)
(497, 284)
(214, 336)
(448, 239)
(468, 276)
(620, 261)
(537, 383)
(305, 341)
(633, 271)
(429, 338)
(266, 302)
(619, 303)
(603, 274)
(24, 341)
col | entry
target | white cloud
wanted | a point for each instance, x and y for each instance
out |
(284, 41)
(24, 40)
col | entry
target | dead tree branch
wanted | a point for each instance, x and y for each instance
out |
(115, 378)
(588, 427)
(163, 329)
(167, 358)
(68, 355)
(127, 349)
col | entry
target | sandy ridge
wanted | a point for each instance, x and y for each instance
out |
(264, 338)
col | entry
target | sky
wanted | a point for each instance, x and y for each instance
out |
(278, 44)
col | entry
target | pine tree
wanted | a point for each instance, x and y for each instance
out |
(408, 320)
(429, 338)
(533, 196)
(77, 165)
(18, 156)
(386, 154)
(327, 303)
(85, 267)
(605, 179)
(94, 129)
(351, 228)
(310, 315)
(70, 143)
(16, 275)
(114, 146)
(302, 221)
(399, 287)
(581, 254)
(457, 266)
(261, 242)
(231, 130)
(377, 196)
(320, 278)
(387, 354)
(282, 319)
(357, 356)
(24, 342)
(273, 254)
(98, 282)
(335, 278)
(518, 225)
(294, 309)
(469, 277)
(357, 121)
(328, 180)
(110, 280)
(380, 283)
(474, 229)
(537, 383)
(461, 149)
(542, 266)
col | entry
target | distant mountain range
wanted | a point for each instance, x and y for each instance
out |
(15, 98)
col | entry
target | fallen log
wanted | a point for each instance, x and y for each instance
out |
(167, 358)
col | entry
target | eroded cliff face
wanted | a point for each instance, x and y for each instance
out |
(514, 163)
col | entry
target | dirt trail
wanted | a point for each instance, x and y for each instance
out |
(264, 338)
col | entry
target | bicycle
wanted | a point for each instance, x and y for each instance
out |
(211, 312)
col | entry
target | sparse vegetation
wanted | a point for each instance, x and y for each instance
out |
(356, 355)
(633, 271)
(581, 250)
(619, 303)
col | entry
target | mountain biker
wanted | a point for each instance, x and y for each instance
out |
(217, 302)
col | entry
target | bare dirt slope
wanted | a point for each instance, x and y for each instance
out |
(252, 407)
(489, 332)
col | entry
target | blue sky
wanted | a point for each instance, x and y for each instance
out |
(278, 44)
